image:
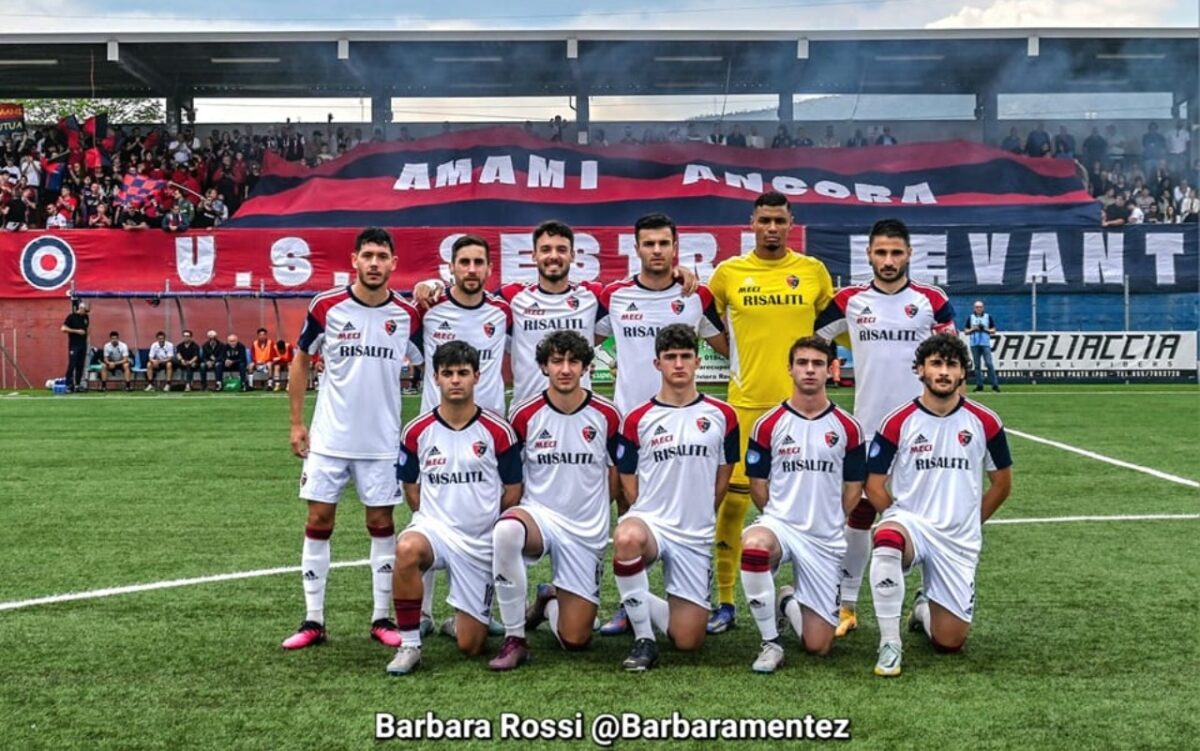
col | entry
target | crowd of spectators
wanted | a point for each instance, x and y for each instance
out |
(1138, 178)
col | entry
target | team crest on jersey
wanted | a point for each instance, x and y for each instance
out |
(831, 439)
(793, 281)
(390, 326)
(573, 302)
(964, 437)
(703, 423)
(677, 307)
(589, 433)
(910, 310)
(479, 447)
(489, 328)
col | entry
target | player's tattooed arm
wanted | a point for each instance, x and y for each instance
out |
(759, 492)
(724, 472)
(412, 496)
(511, 496)
(877, 492)
(852, 492)
(999, 488)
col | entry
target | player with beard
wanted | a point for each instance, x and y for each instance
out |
(885, 319)
(769, 298)
(925, 475)
(363, 332)
(568, 441)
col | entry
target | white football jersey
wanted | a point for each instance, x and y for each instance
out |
(536, 313)
(885, 330)
(936, 464)
(462, 473)
(675, 453)
(566, 458)
(806, 462)
(364, 348)
(635, 316)
(486, 328)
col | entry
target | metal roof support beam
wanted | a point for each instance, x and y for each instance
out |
(134, 66)
(381, 112)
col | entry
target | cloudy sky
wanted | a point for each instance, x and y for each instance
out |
(120, 15)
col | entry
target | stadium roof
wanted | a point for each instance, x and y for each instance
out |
(601, 63)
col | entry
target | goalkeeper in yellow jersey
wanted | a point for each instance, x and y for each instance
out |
(768, 299)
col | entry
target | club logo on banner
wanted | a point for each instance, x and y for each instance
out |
(47, 263)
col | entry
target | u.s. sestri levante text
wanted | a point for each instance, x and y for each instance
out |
(552, 174)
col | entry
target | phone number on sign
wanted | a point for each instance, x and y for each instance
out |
(608, 728)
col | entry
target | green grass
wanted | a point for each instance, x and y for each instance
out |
(1085, 633)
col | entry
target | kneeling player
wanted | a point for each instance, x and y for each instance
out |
(675, 457)
(461, 466)
(806, 462)
(925, 474)
(568, 437)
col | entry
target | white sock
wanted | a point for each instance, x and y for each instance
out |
(854, 563)
(795, 616)
(887, 587)
(759, 587)
(427, 596)
(508, 574)
(635, 596)
(314, 568)
(552, 618)
(411, 638)
(660, 613)
(922, 613)
(383, 559)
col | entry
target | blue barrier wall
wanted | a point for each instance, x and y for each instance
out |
(1088, 312)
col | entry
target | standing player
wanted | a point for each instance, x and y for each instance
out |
(676, 454)
(461, 466)
(640, 306)
(638, 309)
(807, 462)
(886, 319)
(769, 298)
(465, 312)
(568, 437)
(925, 474)
(363, 333)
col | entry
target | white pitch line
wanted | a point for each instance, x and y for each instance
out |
(1110, 518)
(175, 583)
(169, 584)
(1107, 459)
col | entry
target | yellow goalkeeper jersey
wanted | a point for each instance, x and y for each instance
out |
(766, 306)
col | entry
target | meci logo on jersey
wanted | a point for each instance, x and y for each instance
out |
(910, 310)
(964, 437)
(793, 281)
(479, 447)
(489, 328)
(831, 439)
(589, 433)
(677, 306)
(389, 326)
(703, 423)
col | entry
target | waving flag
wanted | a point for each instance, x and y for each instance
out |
(138, 188)
(502, 176)
(69, 126)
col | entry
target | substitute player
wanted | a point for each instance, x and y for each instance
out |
(925, 475)
(886, 319)
(461, 466)
(676, 454)
(363, 332)
(768, 298)
(806, 462)
(568, 439)
(638, 309)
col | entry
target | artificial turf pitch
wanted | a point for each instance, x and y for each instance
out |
(1087, 633)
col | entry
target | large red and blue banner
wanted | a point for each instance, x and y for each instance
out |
(965, 260)
(505, 177)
